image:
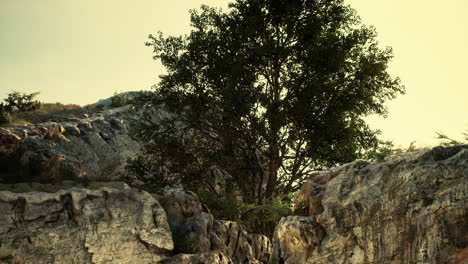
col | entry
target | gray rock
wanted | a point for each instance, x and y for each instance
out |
(212, 257)
(83, 226)
(95, 148)
(195, 230)
(231, 238)
(296, 238)
(113, 223)
(410, 208)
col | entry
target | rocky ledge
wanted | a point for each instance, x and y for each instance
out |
(410, 208)
(92, 146)
(118, 224)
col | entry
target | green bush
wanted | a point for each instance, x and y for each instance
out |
(255, 218)
(264, 218)
(24, 102)
(448, 141)
(118, 100)
(5, 117)
(386, 148)
(223, 208)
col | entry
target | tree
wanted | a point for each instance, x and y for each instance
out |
(24, 102)
(269, 91)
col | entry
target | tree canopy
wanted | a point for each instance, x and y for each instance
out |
(269, 91)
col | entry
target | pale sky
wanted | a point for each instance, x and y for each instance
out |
(82, 51)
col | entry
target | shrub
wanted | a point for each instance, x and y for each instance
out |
(5, 117)
(448, 141)
(46, 112)
(119, 99)
(255, 218)
(264, 218)
(223, 208)
(24, 102)
(386, 148)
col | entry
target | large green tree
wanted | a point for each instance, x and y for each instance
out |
(270, 91)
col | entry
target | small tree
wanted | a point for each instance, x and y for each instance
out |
(24, 102)
(5, 116)
(270, 91)
(446, 141)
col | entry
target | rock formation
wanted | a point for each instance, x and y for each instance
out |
(410, 208)
(87, 145)
(83, 226)
(93, 146)
(196, 231)
(117, 224)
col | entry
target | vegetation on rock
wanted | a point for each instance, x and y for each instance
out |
(19, 102)
(269, 91)
(23, 102)
(21, 107)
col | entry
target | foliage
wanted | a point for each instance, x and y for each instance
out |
(255, 218)
(119, 99)
(24, 102)
(270, 91)
(47, 112)
(387, 148)
(447, 141)
(264, 218)
(125, 98)
(5, 116)
(17, 101)
(144, 170)
(224, 208)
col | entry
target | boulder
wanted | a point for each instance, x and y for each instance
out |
(113, 223)
(212, 257)
(189, 221)
(195, 230)
(231, 238)
(104, 225)
(94, 147)
(411, 208)
(296, 238)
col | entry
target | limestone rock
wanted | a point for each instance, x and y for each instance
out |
(410, 208)
(195, 230)
(113, 223)
(231, 238)
(295, 239)
(212, 257)
(83, 226)
(95, 147)
(190, 225)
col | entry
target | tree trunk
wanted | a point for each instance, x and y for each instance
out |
(275, 125)
(273, 167)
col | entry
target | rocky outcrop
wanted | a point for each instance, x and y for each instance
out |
(196, 231)
(113, 223)
(92, 146)
(86, 145)
(410, 208)
(213, 257)
(296, 239)
(83, 226)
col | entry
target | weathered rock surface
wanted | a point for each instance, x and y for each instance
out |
(196, 231)
(117, 224)
(212, 257)
(296, 239)
(88, 146)
(410, 208)
(95, 147)
(83, 226)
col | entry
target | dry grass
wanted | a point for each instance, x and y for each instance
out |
(47, 112)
